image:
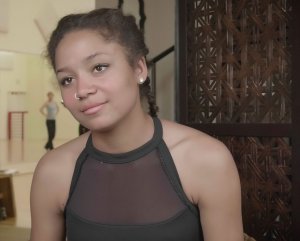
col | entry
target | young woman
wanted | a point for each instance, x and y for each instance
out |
(50, 109)
(132, 176)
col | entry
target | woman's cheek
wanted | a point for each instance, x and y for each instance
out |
(69, 101)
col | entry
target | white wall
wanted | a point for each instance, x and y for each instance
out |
(24, 40)
(160, 35)
(23, 33)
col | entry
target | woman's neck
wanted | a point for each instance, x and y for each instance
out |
(126, 136)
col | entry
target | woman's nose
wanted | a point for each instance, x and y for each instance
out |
(84, 88)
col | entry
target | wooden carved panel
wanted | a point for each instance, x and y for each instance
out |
(238, 80)
(238, 61)
(265, 171)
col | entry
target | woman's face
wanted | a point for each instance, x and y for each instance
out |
(99, 73)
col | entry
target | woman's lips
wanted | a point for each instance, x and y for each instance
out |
(92, 109)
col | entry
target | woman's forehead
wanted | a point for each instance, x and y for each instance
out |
(85, 45)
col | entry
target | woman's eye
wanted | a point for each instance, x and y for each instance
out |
(66, 81)
(100, 67)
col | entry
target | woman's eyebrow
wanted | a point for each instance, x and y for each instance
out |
(86, 59)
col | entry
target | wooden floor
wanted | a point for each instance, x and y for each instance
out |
(12, 233)
(18, 159)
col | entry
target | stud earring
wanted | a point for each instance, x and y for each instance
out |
(76, 96)
(141, 80)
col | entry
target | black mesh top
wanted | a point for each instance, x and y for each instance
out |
(133, 196)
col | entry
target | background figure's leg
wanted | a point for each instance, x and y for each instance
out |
(48, 124)
(51, 133)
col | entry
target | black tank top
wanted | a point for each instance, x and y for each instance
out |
(133, 196)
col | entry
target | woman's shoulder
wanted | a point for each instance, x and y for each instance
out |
(195, 149)
(65, 154)
(203, 162)
(55, 169)
(191, 140)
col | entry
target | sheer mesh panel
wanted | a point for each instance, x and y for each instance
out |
(136, 192)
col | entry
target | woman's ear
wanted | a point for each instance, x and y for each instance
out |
(141, 69)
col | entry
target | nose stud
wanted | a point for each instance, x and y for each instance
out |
(76, 97)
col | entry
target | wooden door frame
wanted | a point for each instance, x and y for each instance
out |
(295, 40)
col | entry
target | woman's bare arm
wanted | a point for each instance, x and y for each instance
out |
(216, 189)
(47, 219)
(210, 180)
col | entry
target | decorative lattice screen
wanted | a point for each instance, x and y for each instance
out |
(235, 71)
(239, 62)
(265, 171)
